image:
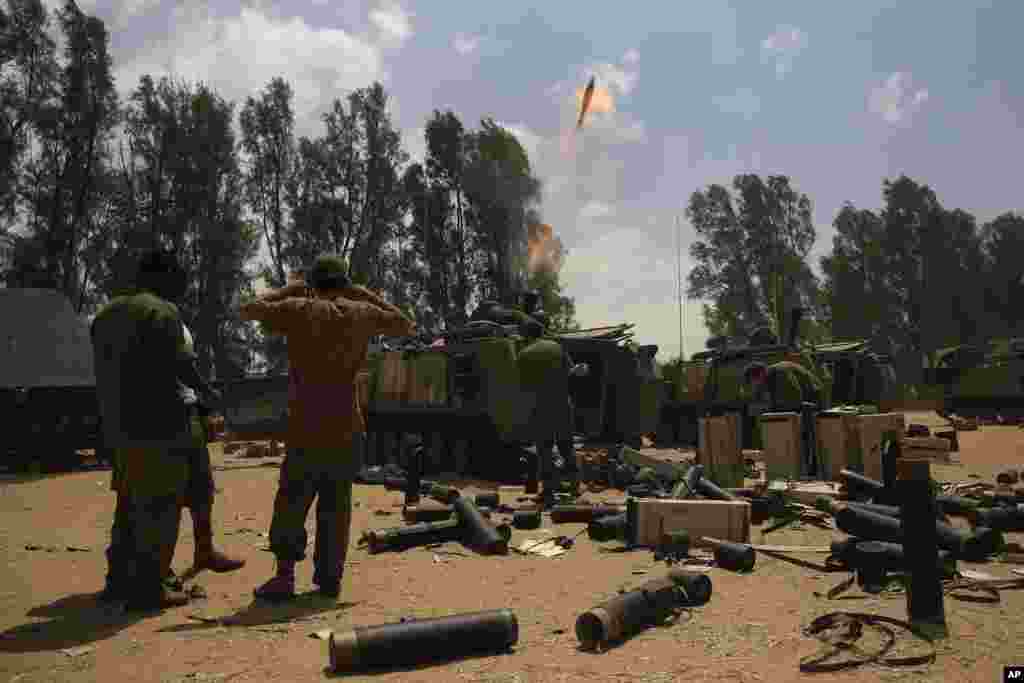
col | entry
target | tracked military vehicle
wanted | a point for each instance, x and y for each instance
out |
(981, 380)
(47, 383)
(712, 382)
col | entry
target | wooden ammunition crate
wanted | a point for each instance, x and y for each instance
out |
(781, 445)
(719, 450)
(725, 520)
(838, 444)
(871, 431)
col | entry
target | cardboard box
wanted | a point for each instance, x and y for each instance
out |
(838, 444)
(726, 520)
(718, 449)
(871, 430)
(781, 445)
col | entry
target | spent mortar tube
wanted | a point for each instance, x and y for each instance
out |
(870, 526)
(420, 641)
(480, 533)
(629, 613)
(582, 514)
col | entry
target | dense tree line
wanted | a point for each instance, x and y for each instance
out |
(914, 276)
(87, 182)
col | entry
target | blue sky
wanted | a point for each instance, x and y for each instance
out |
(836, 95)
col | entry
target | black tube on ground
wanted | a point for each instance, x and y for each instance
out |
(526, 519)
(891, 556)
(999, 518)
(421, 641)
(442, 494)
(737, 557)
(887, 510)
(695, 586)
(610, 528)
(487, 500)
(710, 489)
(628, 613)
(874, 527)
(925, 601)
(956, 505)
(427, 512)
(581, 514)
(402, 537)
(860, 486)
(480, 534)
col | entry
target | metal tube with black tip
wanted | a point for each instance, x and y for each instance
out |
(648, 605)
(422, 641)
(487, 500)
(851, 552)
(737, 557)
(582, 514)
(999, 518)
(878, 509)
(874, 527)
(609, 528)
(427, 512)
(480, 534)
(526, 519)
(925, 604)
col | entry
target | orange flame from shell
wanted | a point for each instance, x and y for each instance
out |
(601, 102)
(544, 250)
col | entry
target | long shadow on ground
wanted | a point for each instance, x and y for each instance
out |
(74, 620)
(262, 613)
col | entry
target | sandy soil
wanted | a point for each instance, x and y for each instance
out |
(52, 628)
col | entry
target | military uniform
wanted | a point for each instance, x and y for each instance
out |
(138, 342)
(544, 368)
(327, 345)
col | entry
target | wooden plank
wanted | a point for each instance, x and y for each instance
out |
(931, 443)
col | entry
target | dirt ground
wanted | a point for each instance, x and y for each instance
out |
(53, 629)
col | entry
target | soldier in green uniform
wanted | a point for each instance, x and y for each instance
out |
(140, 352)
(544, 369)
(328, 328)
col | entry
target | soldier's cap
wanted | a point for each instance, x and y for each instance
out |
(329, 271)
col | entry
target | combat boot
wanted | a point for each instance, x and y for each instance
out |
(206, 557)
(282, 587)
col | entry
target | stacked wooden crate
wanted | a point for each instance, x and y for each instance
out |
(781, 445)
(719, 449)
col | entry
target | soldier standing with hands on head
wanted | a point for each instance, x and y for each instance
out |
(328, 328)
(142, 359)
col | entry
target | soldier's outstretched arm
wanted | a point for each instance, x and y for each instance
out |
(382, 316)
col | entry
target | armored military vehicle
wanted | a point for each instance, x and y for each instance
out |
(711, 383)
(47, 382)
(981, 380)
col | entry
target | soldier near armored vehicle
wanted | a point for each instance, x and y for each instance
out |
(544, 369)
(789, 387)
(329, 330)
(141, 357)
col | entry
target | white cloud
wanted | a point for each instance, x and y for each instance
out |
(392, 21)
(744, 102)
(465, 44)
(624, 275)
(614, 77)
(415, 143)
(896, 100)
(239, 55)
(596, 209)
(783, 47)
(632, 56)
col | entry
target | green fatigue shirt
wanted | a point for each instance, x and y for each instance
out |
(138, 344)
(544, 368)
(328, 342)
(789, 384)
